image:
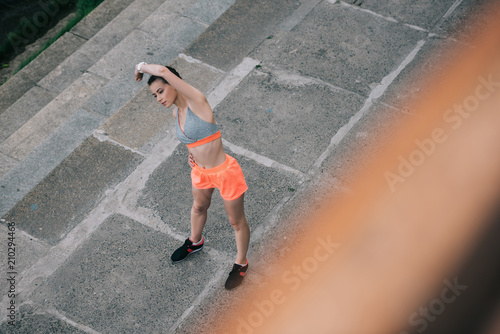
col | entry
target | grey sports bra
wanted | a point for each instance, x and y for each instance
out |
(195, 128)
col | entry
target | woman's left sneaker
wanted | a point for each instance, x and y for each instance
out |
(236, 276)
(188, 248)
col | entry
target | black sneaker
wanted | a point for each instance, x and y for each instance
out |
(182, 252)
(236, 276)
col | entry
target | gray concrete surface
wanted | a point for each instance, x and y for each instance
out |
(98, 185)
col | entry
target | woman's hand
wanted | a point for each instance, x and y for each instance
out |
(138, 75)
(191, 161)
(152, 69)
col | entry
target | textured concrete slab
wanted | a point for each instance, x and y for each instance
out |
(360, 146)
(67, 72)
(200, 75)
(166, 16)
(286, 117)
(410, 86)
(100, 17)
(424, 13)
(13, 89)
(180, 6)
(23, 109)
(124, 55)
(72, 189)
(239, 30)
(174, 39)
(6, 163)
(159, 39)
(128, 45)
(119, 28)
(103, 42)
(122, 281)
(44, 158)
(32, 320)
(208, 314)
(28, 249)
(168, 192)
(207, 11)
(463, 21)
(49, 59)
(56, 113)
(138, 121)
(136, 14)
(164, 25)
(111, 97)
(343, 46)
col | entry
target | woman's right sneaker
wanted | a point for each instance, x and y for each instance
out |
(182, 252)
(236, 276)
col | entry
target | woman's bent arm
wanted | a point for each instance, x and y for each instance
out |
(190, 92)
(195, 97)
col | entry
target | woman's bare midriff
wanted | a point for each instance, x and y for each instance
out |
(209, 155)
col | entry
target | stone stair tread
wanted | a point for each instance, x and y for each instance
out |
(99, 18)
(100, 44)
(47, 120)
(18, 181)
(23, 109)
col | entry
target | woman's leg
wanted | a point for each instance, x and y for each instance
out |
(201, 203)
(236, 213)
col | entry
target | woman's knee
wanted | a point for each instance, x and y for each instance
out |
(200, 208)
(238, 223)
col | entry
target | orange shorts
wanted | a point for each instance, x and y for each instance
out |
(228, 178)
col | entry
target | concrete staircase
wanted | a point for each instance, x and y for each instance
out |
(50, 107)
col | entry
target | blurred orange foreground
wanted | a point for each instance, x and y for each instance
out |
(373, 258)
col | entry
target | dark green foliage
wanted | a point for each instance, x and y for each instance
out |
(81, 8)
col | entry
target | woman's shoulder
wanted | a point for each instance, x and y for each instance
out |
(203, 111)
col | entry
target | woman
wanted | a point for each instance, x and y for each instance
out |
(211, 167)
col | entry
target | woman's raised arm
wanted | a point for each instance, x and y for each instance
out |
(191, 93)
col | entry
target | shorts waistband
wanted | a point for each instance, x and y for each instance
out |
(216, 169)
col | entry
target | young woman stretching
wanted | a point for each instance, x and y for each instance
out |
(211, 167)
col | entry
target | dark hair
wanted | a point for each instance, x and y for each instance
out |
(154, 77)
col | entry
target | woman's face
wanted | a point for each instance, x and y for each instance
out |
(164, 93)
